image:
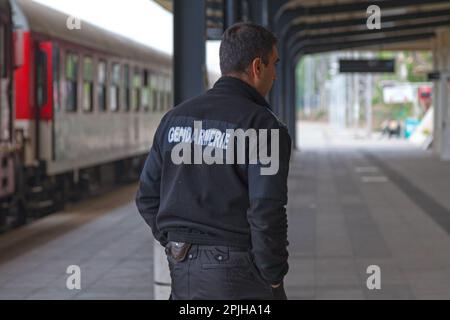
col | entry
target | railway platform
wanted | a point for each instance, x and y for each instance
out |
(352, 204)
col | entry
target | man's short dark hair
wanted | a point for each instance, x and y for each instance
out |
(242, 43)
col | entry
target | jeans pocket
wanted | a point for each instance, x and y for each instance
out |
(255, 271)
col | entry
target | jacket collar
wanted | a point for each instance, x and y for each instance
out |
(232, 85)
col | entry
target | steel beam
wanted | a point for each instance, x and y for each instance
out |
(344, 45)
(299, 32)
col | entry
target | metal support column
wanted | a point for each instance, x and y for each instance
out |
(189, 49)
(287, 113)
(276, 97)
(189, 81)
(232, 12)
(260, 13)
(292, 106)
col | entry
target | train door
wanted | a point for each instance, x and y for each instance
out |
(44, 79)
(6, 110)
(43, 99)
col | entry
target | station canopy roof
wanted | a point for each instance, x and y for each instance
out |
(312, 26)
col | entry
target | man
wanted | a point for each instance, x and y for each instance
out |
(224, 224)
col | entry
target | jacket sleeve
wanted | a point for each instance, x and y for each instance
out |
(267, 212)
(148, 194)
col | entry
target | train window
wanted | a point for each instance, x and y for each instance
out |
(41, 78)
(171, 92)
(158, 93)
(168, 93)
(146, 78)
(2, 52)
(161, 93)
(71, 81)
(114, 92)
(136, 95)
(154, 93)
(164, 92)
(101, 85)
(150, 92)
(56, 78)
(126, 74)
(88, 84)
(162, 104)
(145, 91)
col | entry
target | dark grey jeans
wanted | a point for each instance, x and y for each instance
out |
(219, 273)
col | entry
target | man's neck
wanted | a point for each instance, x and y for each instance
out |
(243, 77)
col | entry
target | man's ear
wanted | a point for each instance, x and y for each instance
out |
(256, 67)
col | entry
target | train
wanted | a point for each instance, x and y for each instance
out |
(8, 148)
(79, 108)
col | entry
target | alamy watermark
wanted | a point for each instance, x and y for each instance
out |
(374, 280)
(73, 23)
(73, 281)
(374, 19)
(212, 146)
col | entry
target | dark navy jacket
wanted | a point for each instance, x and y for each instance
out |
(219, 204)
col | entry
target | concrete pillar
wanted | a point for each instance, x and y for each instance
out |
(438, 65)
(434, 51)
(368, 105)
(356, 106)
(441, 52)
(445, 80)
(444, 101)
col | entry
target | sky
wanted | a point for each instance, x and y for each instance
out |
(141, 20)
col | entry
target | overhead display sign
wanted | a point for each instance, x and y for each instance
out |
(367, 65)
(435, 75)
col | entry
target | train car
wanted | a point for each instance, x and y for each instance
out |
(8, 148)
(87, 103)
